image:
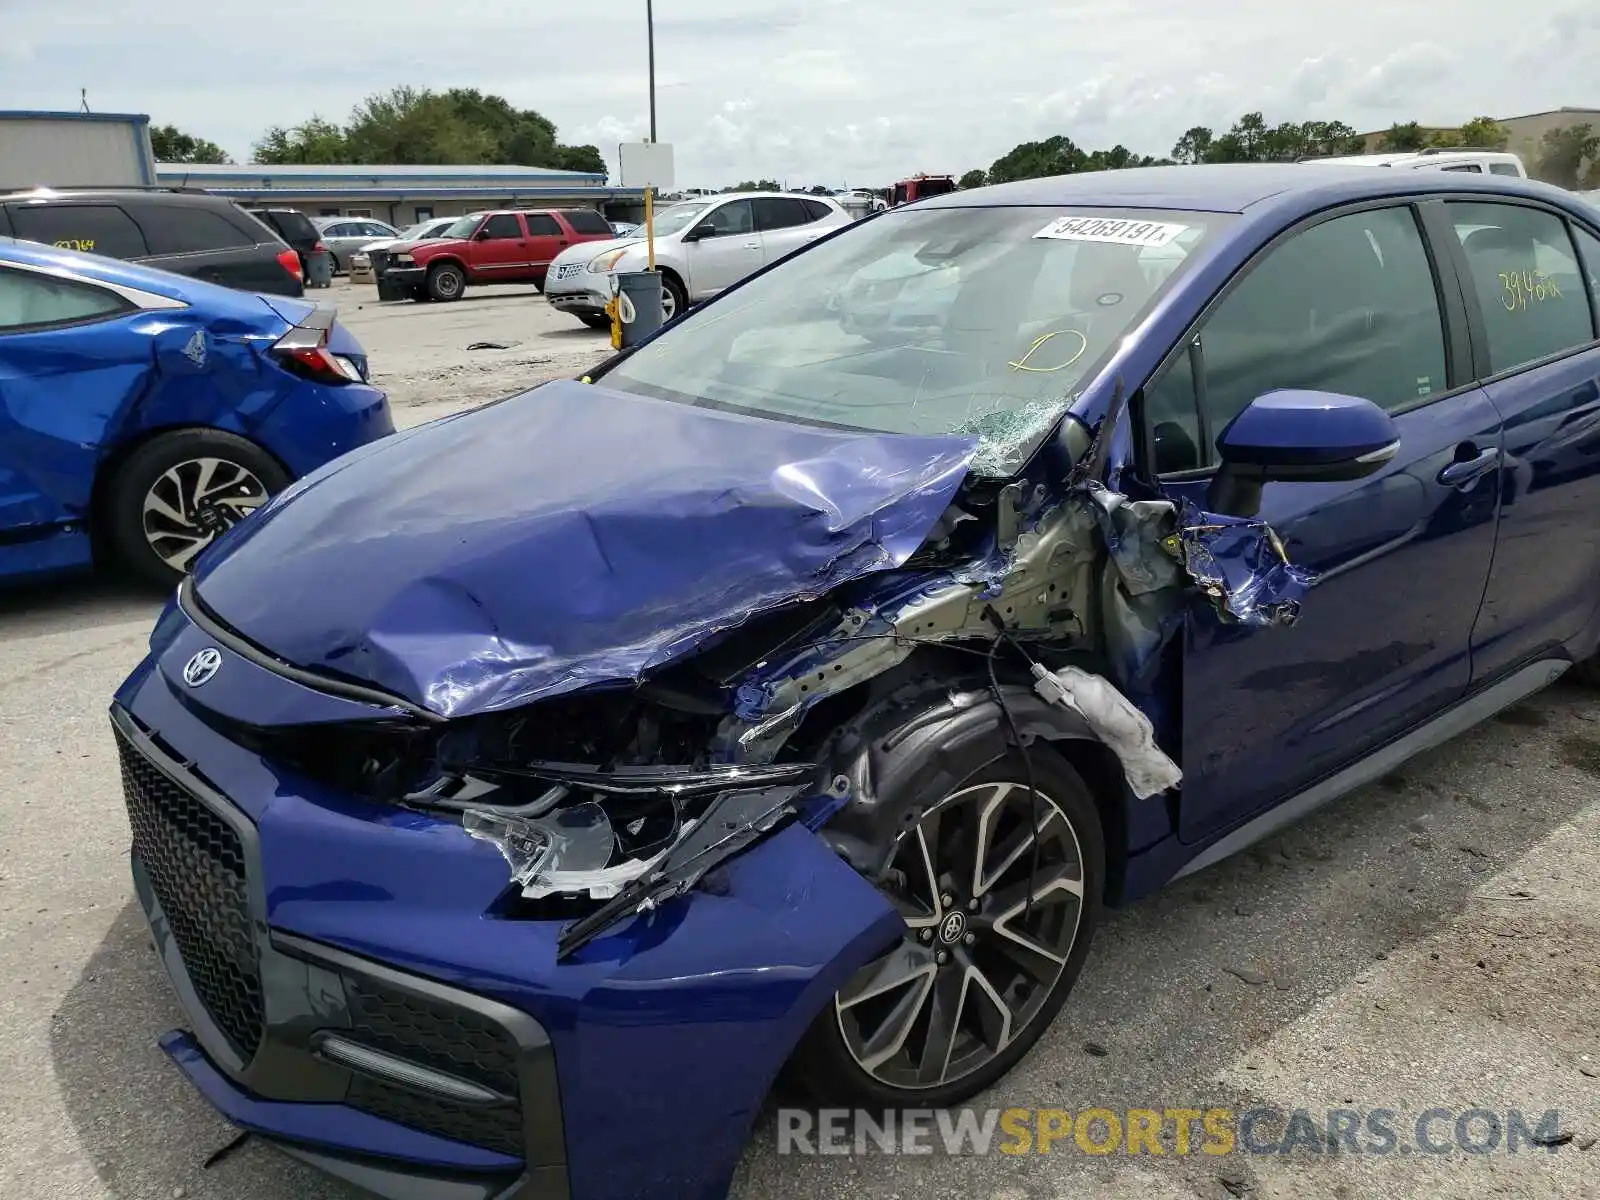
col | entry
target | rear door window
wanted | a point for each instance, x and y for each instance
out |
(185, 229)
(93, 228)
(817, 209)
(30, 301)
(1474, 168)
(586, 220)
(780, 212)
(542, 225)
(1500, 168)
(1524, 271)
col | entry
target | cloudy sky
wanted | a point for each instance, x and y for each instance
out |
(814, 91)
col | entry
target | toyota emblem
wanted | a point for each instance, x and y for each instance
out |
(953, 927)
(202, 666)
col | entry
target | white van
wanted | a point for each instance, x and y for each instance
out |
(1437, 158)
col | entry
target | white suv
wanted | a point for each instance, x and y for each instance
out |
(1438, 158)
(702, 246)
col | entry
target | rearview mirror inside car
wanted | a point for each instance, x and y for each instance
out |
(1305, 436)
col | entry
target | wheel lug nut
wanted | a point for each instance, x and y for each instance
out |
(970, 938)
(947, 899)
(927, 935)
(941, 958)
(972, 905)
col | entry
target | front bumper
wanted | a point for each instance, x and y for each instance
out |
(643, 1058)
(404, 276)
(581, 294)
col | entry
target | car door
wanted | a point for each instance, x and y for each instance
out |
(1530, 303)
(500, 249)
(729, 249)
(65, 378)
(546, 239)
(204, 243)
(786, 223)
(1347, 303)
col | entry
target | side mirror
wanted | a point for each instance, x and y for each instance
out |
(700, 233)
(1309, 437)
(481, 236)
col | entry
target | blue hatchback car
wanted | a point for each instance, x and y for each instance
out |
(795, 691)
(143, 413)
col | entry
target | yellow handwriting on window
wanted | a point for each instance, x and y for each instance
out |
(85, 244)
(1519, 288)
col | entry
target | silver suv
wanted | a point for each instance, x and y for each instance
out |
(702, 246)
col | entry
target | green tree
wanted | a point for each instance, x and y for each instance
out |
(1193, 146)
(1058, 155)
(171, 145)
(577, 158)
(1484, 133)
(1404, 136)
(416, 125)
(1567, 154)
(974, 178)
(315, 141)
(756, 185)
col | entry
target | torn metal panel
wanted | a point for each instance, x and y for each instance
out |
(571, 536)
(1242, 566)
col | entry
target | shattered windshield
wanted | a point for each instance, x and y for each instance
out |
(961, 320)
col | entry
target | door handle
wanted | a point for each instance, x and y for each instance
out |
(752, 245)
(1465, 470)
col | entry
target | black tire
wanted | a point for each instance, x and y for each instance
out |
(1588, 671)
(674, 288)
(446, 282)
(825, 1065)
(244, 477)
(595, 320)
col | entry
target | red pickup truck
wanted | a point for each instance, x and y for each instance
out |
(505, 246)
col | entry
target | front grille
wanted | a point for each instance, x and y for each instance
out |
(195, 864)
(378, 258)
(447, 1038)
(568, 270)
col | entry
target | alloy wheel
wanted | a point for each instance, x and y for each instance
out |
(193, 502)
(669, 305)
(979, 960)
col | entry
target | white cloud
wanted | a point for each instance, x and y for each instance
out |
(824, 91)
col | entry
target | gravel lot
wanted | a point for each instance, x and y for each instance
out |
(1431, 941)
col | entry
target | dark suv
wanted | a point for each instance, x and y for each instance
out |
(191, 233)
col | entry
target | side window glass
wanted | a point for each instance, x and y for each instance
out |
(29, 300)
(503, 225)
(93, 228)
(1525, 274)
(1347, 306)
(1472, 168)
(731, 218)
(1503, 168)
(780, 212)
(1172, 411)
(171, 229)
(542, 225)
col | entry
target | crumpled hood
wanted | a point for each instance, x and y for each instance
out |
(566, 536)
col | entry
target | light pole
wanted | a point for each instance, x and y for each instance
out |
(650, 34)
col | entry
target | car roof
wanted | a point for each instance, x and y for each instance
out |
(95, 266)
(1229, 188)
(750, 196)
(165, 195)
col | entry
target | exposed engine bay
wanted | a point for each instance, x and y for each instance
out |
(611, 799)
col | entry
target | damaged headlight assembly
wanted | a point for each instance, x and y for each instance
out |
(630, 838)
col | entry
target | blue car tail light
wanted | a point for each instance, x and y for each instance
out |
(304, 350)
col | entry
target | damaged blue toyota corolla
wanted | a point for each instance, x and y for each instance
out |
(794, 692)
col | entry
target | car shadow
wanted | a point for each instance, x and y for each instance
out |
(68, 603)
